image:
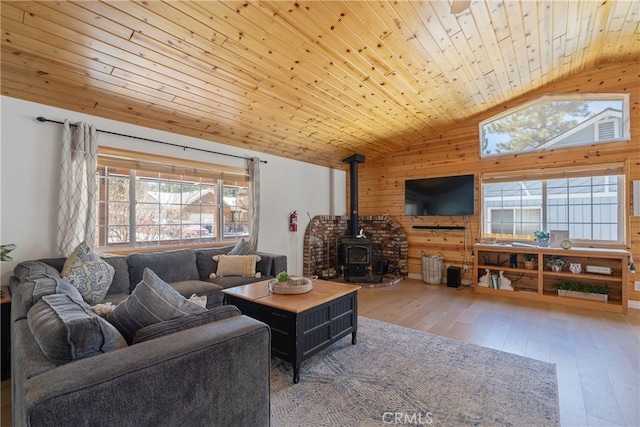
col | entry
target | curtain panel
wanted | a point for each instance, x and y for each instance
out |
(77, 207)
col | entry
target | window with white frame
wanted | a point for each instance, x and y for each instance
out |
(144, 203)
(557, 121)
(589, 204)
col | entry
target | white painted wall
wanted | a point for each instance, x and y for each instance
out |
(29, 176)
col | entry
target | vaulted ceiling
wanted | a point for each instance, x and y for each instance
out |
(315, 81)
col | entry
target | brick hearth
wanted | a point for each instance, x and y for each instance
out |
(324, 232)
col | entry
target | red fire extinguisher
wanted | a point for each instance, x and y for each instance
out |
(293, 221)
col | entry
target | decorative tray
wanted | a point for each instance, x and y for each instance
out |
(292, 287)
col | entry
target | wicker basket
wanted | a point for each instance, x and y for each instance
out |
(292, 287)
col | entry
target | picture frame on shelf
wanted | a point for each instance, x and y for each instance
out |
(557, 237)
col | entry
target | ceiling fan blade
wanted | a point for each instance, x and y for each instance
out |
(458, 6)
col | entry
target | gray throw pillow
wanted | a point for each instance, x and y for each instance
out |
(27, 269)
(242, 248)
(152, 301)
(66, 329)
(186, 322)
(35, 289)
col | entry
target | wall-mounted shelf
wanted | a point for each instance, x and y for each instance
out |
(439, 227)
(540, 283)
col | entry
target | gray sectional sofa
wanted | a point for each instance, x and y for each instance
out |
(208, 368)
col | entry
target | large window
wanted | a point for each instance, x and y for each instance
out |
(589, 204)
(556, 121)
(153, 203)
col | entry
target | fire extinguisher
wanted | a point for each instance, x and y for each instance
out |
(293, 221)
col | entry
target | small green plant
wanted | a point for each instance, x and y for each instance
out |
(557, 261)
(4, 250)
(579, 287)
(541, 235)
(283, 276)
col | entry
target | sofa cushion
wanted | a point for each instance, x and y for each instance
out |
(121, 282)
(26, 269)
(185, 322)
(236, 265)
(170, 266)
(34, 290)
(151, 301)
(231, 281)
(85, 270)
(66, 329)
(265, 265)
(205, 263)
(212, 291)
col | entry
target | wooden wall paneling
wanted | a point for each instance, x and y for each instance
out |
(457, 152)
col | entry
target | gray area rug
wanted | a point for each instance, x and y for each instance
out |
(400, 376)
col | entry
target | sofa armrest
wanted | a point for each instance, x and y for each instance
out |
(279, 263)
(214, 374)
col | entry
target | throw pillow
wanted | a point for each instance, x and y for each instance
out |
(236, 265)
(85, 270)
(242, 248)
(151, 301)
(35, 289)
(66, 329)
(27, 270)
(185, 322)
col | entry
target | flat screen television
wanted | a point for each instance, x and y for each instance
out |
(447, 195)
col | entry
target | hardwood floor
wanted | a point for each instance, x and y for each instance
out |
(597, 354)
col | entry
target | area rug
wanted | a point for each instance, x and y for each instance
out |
(400, 376)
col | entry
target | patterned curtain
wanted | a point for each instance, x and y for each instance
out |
(254, 201)
(77, 204)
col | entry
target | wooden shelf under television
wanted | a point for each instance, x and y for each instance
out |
(539, 284)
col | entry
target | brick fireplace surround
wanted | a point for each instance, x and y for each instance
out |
(324, 232)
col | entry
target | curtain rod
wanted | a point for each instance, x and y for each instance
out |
(184, 147)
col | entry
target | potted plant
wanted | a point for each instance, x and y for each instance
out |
(283, 277)
(4, 250)
(542, 237)
(530, 261)
(556, 263)
(583, 291)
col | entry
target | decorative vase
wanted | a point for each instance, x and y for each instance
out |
(484, 279)
(543, 243)
(530, 264)
(556, 268)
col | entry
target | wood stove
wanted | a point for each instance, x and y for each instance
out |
(356, 258)
(356, 250)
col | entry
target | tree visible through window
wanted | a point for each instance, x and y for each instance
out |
(557, 121)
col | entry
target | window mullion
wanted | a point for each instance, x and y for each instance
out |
(132, 207)
(544, 205)
(220, 184)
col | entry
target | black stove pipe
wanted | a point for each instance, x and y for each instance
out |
(353, 196)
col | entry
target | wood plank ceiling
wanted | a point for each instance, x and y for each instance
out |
(314, 81)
